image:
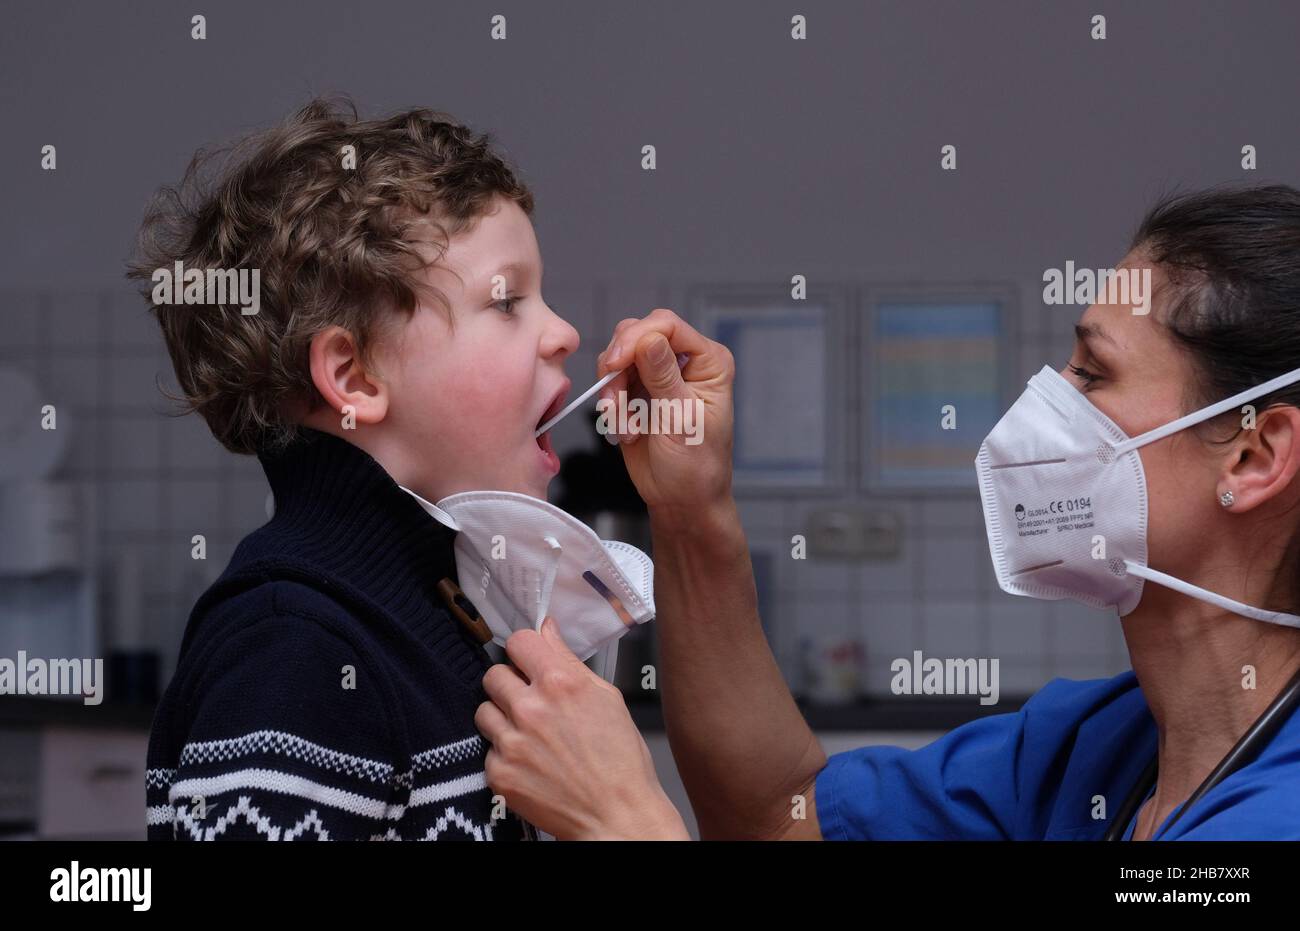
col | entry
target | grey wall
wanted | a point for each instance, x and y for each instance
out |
(773, 153)
(775, 157)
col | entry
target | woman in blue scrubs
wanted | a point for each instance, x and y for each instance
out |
(1211, 631)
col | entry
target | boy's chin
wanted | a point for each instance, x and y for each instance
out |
(539, 490)
(534, 488)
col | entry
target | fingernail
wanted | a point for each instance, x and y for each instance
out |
(614, 355)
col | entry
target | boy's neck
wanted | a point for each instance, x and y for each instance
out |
(374, 440)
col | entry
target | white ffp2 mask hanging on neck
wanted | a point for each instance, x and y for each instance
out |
(1065, 500)
(519, 558)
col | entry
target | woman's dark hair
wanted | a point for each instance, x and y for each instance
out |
(1232, 258)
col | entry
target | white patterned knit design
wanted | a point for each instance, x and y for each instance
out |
(188, 811)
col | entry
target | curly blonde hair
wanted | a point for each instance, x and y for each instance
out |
(334, 245)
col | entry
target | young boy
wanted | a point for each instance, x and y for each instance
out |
(400, 347)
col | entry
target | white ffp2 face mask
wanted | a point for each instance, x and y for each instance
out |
(519, 558)
(1065, 499)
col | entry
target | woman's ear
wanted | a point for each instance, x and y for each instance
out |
(355, 395)
(1266, 457)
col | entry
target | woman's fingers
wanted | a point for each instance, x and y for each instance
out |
(705, 361)
(491, 722)
(504, 685)
(629, 381)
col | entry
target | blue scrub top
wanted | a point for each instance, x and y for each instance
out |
(1036, 775)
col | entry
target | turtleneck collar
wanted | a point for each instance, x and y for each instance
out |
(337, 508)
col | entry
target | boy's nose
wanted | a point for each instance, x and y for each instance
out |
(560, 337)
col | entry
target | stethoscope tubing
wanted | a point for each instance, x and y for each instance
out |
(1255, 739)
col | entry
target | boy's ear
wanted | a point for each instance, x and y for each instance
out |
(341, 379)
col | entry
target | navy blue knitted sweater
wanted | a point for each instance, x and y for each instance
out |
(323, 691)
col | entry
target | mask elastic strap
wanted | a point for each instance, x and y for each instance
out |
(607, 661)
(548, 582)
(1219, 601)
(433, 510)
(1205, 413)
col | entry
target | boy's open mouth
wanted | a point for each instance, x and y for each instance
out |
(556, 405)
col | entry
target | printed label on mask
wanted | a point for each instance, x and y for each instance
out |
(1057, 516)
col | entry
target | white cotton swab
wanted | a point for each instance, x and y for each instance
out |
(577, 402)
(682, 359)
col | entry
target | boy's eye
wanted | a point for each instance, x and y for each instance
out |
(507, 306)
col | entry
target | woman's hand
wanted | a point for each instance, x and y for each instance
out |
(740, 743)
(675, 473)
(565, 753)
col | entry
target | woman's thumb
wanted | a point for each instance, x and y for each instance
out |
(551, 632)
(656, 364)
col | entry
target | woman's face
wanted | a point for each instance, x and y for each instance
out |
(1130, 367)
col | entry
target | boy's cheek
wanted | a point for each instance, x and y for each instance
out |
(474, 437)
(494, 400)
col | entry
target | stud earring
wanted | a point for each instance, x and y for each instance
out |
(1226, 499)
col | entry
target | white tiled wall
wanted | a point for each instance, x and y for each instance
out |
(161, 479)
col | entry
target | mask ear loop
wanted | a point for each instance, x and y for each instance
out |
(607, 656)
(1205, 413)
(548, 581)
(1182, 423)
(1204, 594)
(543, 604)
(607, 661)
